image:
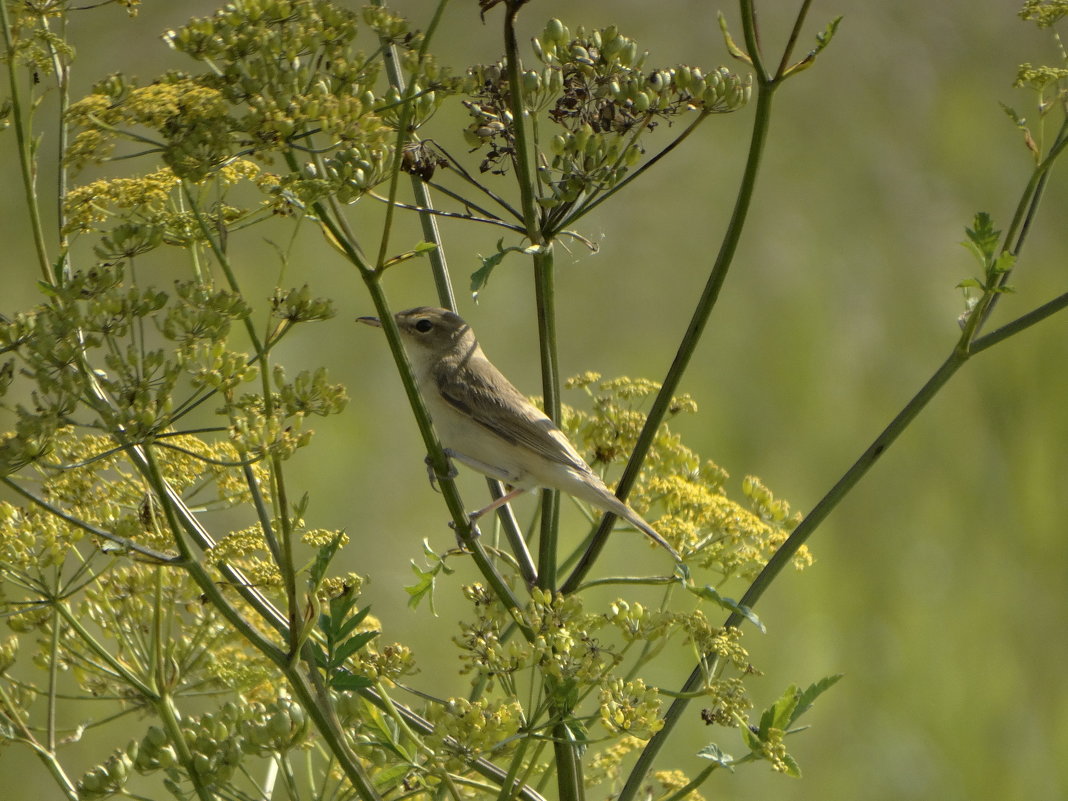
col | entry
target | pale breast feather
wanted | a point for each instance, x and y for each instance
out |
(480, 391)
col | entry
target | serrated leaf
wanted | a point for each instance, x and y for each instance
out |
(779, 714)
(387, 779)
(350, 681)
(809, 695)
(984, 236)
(353, 622)
(792, 768)
(1004, 262)
(423, 588)
(713, 753)
(322, 560)
(352, 645)
(710, 593)
(480, 277)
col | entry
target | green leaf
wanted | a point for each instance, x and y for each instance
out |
(351, 646)
(389, 778)
(779, 714)
(970, 283)
(824, 37)
(423, 587)
(982, 238)
(1003, 263)
(424, 247)
(480, 277)
(352, 623)
(322, 560)
(710, 593)
(713, 753)
(809, 695)
(350, 681)
(792, 768)
(728, 40)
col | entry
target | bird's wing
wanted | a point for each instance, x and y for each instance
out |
(479, 390)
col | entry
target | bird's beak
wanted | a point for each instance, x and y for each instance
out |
(370, 321)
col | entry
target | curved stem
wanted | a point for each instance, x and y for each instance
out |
(718, 274)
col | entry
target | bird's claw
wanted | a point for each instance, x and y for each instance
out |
(433, 476)
(475, 533)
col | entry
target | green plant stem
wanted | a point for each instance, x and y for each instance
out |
(1017, 231)
(122, 542)
(9, 711)
(516, 542)
(690, 340)
(27, 160)
(333, 221)
(586, 207)
(791, 42)
(172, 724)
(404, 133)
(1021, 323)
(964, 349)
(427, 220)
(545, 298)
(321, 713)
(568, 765)
(53, 686)
(102, 653)
(521, 151)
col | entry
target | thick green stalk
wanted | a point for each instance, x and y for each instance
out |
(521, 156)
(694, 330)
(545, 297)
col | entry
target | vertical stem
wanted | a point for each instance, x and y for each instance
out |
(545, 295)
(53, 682)
(27, 160)
(521, 156)
(429, 222)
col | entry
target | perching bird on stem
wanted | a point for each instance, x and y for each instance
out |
(486, 423)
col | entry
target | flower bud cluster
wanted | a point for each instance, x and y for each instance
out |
(630, 707)
(466, 729)
(352, 171)
(596, 88)
(273, 728)
(212, 742)
(107, 778)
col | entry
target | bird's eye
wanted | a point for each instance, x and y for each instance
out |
(424, 325)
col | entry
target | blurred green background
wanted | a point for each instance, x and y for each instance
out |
(941, 584)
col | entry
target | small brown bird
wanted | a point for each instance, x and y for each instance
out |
(488, 424)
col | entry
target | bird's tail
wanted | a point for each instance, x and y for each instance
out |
(622, 510)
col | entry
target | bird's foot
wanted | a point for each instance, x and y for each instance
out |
(475, 533)
(433, 476)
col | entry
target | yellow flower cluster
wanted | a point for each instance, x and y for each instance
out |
(629, 707)
(695, 514)
(464, 730)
